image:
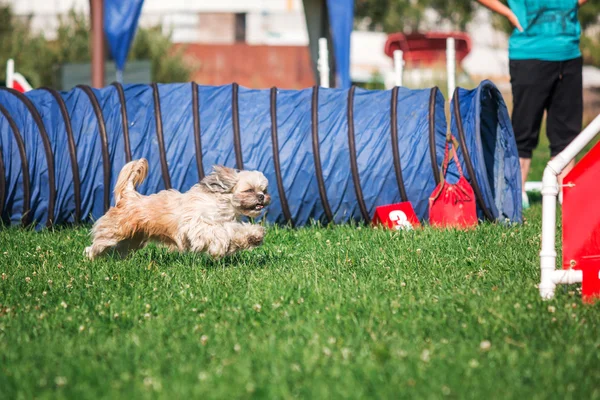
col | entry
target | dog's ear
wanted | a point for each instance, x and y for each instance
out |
(221, 180)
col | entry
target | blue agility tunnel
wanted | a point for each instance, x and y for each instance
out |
(330, 155)
(481, 123)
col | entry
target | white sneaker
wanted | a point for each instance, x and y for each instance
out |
(525, 200)
(560, 197)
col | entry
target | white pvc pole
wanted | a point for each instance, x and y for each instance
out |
(550, 276)
(559, 162)
(323, 63)
(10, 73)
(398, 67)
(451, 66)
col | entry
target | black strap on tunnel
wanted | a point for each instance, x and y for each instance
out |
(197, 132)
(103, 139)
(124, 120)
(395, 150)
(353, 162)
(25, 220)
(432, 149)
(317, 153)
(282, 198)
(461, 138)
(2, 184)
(47, 149)
(72, 150)
(161, 140)
(235, 120)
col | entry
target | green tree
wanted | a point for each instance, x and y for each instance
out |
(73, 45)
(408, 15)
(167, 64)
(39, 59)
(457, 12)
(32, 55)
(590, 49)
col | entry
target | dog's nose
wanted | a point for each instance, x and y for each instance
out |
(261, 197)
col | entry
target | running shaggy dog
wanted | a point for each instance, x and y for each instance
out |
(207, 218)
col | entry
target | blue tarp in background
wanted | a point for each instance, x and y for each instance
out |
(421, 130)
(341, 21)
(120, 24)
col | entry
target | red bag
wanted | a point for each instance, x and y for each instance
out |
(452, 205)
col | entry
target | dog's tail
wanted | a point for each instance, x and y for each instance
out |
(132, 174)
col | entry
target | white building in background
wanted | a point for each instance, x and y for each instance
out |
(367, 57)
(274, 22)
(489, 54)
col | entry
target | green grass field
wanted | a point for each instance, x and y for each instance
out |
(318, 312)
(339, 312)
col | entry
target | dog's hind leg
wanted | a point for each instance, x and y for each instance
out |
(127, 246)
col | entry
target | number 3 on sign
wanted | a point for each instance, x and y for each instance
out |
(400, 220)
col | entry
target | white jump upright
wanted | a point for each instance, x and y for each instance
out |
(323, 63)
(10, 73)
(15, 80)
(451, 65)
(550, 276)
(398, 67)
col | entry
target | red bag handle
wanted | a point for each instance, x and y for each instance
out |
(460, 194)
(450, 139)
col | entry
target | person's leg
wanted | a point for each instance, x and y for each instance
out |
(565, 113)
(525, 165)
(531, 84)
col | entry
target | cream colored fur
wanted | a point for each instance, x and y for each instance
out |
(207, 218)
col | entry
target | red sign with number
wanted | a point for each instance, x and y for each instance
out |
(396, 216)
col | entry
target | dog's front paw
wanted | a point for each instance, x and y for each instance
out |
(255, 241)
(257, 236)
